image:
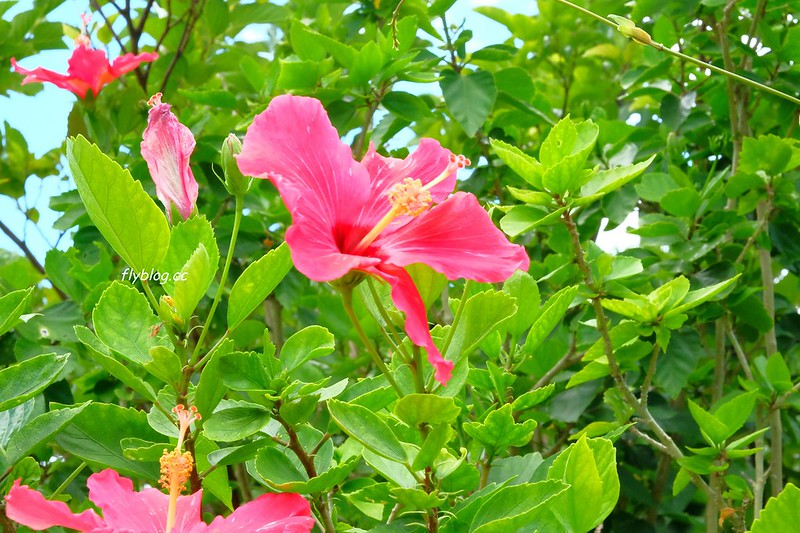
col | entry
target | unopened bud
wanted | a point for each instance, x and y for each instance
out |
(627, 28)
(235, 182)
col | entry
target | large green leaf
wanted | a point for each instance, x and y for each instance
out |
(40, 429)
(185, 238)
(367, 428)
(550, 316)
(95, 436)
(308, 343)
(589, 466)
(256, 283)
(415, 409)
(483, 314)
(126, 215)
(125, 323)
(469, 97)
(25, 380)
(12, 305)
(782, 513)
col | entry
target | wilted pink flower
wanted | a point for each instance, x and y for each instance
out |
(87, 68)
(372, 216)
(166, 146)
(125, 510)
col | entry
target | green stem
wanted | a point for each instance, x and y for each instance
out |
(167, 327)
(61, 488)
(395, 340)
(457, 317)
(347, 300)
(237, 220)
(690, 59)
(419, 370)
(203, 360)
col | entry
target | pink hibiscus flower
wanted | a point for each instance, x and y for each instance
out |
(167, 146)
(372, 216)
(128, 511)
(152, 511)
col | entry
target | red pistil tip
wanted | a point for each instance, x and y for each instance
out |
(155, 100)
(86, 18)
(186, 415)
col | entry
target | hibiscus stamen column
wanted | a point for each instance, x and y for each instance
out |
(176, 466)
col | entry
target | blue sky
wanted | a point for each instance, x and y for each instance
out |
(42, 118)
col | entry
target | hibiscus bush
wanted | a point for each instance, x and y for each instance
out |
(348, 267)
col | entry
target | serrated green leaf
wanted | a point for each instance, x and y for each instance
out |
(126, 216)
(499, 430)
(306, 344)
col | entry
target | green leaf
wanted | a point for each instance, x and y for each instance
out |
(713, 428)
(234, 420)
(469, 97)
(406, 106)
(681, 202)
(12, 305)
(735, 411)
(210, 388)
(192, 282)
(102, 356)
(610, 180)
(244, 371)
(256, 283)
(589, 467)
(25, 380)
(95, 435)
(499, 430)
(367, 428)
(550, 316)
(367, 64)
(564, 153)
(306, 344)
(533, 398)
(165, 365)
(416, 409)
(216, 482)
(782, 512)
(40, 429)
(124, 322)
(186, 237)
(519, 507)
(11, 420)
(483, 314)
(436, 440)
(768, 153)
(778, 374)
(280, 473)
(699, 296)
(525, 291)
(126, 216)
(526, 166)
(523, 218)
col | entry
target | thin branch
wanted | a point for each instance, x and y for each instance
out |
(24, 247)
(395, 16)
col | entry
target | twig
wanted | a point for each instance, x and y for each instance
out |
(395, 16)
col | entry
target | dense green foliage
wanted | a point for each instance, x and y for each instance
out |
(651, 389)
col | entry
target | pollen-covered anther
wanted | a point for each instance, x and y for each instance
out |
(176, 469)
(155, 100)
(409, 197)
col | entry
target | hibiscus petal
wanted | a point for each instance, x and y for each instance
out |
(458, 239)
(41, 75)
(167, 146)
(407, 299)
(315, 252)
(116, 497)
(128, 62)
(294, 145)
(91, 66)
(269, 513)
(426, 163)
(30, 508)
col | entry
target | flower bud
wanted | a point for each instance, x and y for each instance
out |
(627, 28)
(235, 182)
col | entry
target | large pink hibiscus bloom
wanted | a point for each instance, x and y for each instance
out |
(346, 216)
(128, 511)
(87, 69)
